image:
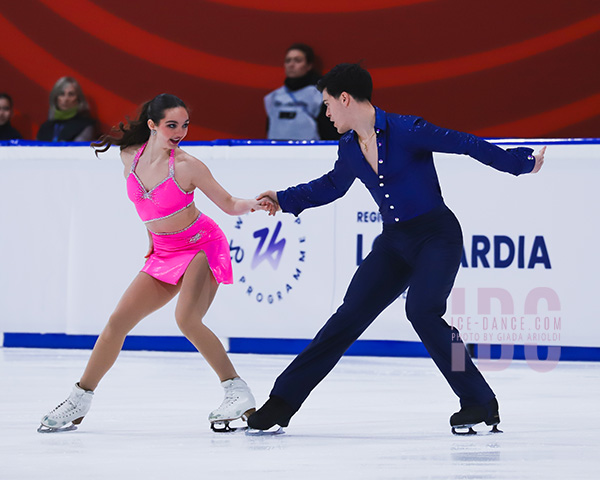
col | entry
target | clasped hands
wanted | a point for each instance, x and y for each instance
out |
(267, 201)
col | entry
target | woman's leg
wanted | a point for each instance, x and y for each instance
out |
(144, 296)
(198, 289)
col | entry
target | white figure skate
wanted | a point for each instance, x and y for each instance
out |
(238, 403)
(68, 414)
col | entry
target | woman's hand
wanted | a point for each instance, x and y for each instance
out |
(269, 198)
(268, 201)
(150, 246)
(265, 203)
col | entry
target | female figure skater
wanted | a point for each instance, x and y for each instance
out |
(188, 254)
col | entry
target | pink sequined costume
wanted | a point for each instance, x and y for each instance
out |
(173, 251)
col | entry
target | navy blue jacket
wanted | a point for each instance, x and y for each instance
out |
(406, 184)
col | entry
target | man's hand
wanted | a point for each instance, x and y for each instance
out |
(539, 160)
(271, 197)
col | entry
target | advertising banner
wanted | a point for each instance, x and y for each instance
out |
(72, 243)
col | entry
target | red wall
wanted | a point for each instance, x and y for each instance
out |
(498, 68)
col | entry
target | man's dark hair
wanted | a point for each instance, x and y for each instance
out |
(350, 78)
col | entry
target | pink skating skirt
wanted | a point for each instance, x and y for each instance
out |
(174, 251)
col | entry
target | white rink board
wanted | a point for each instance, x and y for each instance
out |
(72, 242)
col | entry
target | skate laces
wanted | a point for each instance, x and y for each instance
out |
(57, 408)
(65, 407)
(72, 403)
(232, 394)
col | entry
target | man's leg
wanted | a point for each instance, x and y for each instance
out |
(434, 272)
(379, 280)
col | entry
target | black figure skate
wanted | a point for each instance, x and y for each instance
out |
(274, 413)
(462, 421)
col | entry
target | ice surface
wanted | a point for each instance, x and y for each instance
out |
(372, 418)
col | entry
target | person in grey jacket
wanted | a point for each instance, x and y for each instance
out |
(295, 111)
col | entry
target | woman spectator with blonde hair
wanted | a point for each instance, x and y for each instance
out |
(68, 116)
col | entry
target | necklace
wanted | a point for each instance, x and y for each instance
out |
(366, 142)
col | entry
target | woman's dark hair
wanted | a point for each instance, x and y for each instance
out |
(350, 78)
(305, 49)
(8, 97)
(137, 132)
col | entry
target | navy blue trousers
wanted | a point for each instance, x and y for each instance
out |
(422, 254)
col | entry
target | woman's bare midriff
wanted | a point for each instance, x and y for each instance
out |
(177, 222)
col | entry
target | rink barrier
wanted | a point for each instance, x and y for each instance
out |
(279, 346)
(568, 304)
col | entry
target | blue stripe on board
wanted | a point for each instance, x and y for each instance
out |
(62, 340)
(377, 348)
(289, 346)
(540, 352)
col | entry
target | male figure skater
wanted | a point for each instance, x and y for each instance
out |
(420, 246)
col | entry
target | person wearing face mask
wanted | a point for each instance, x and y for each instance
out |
(7, 131)
(295, 111)
(68, 116)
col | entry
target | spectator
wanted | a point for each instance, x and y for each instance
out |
(68, 117)
(295, 111)
(7, 131)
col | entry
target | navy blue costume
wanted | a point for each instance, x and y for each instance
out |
(420, 249)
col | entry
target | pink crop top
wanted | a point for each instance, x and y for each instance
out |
(164, 200)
